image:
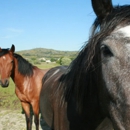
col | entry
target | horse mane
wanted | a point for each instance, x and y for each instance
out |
(81, 76)
(24, 67)
(3, 52)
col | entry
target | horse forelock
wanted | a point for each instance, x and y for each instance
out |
(24, 67)
(78, 78)
(3, 52)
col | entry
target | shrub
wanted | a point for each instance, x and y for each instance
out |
(65, 61)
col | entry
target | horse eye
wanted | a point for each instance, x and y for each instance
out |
(106, 51)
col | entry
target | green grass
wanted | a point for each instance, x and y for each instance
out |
(47, 65)
(8, 98)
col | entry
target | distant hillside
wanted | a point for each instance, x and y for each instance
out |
(47, 53)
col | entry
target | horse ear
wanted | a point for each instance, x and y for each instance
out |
(0, 49)
(12, 48)
(102, 8)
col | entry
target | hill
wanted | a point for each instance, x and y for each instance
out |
(47, 53)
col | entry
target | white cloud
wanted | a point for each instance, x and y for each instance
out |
(6, 37)
(14, 30)
(10, 33)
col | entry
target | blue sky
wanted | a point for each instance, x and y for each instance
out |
(52, 24)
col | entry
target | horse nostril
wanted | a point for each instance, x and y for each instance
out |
(6, 83)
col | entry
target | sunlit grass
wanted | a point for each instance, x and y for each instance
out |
(47, 65)
(8, 98)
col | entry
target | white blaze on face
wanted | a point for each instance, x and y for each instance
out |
(125, 31)
(4, 57)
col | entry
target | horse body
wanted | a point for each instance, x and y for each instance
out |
(28, 82)
(27, 94)
(61, 114)
(24, 84)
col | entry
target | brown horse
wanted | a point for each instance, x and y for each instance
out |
(97, 83)
(27, 79)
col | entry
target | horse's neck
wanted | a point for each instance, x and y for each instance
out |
(16, 76)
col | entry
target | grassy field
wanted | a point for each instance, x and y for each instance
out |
(47, 65)
(8, 99)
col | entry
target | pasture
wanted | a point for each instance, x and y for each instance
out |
(93, 87)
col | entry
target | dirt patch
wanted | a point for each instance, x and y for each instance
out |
(15, 120)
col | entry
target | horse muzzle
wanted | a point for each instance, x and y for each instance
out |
(4, 83)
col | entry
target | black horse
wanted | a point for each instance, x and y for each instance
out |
(97, 83)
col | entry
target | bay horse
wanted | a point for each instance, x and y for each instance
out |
(96, 84)
(27, 79)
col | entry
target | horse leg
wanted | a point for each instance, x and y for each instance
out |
(26, 107)
(35, 107)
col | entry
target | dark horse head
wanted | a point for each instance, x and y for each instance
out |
(6, 65)
(100, 75)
